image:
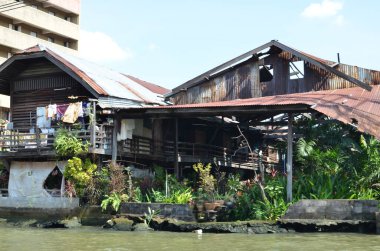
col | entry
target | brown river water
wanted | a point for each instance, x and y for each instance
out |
(88, 238)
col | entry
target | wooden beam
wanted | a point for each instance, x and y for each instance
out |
(93, 126)
(114, 139)
(176, 166)
(289, 160)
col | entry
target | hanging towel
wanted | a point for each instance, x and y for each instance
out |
(51, 111)
(61, 109)
(72, 112)
(42, 121)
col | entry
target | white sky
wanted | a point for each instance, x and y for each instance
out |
(168, 42)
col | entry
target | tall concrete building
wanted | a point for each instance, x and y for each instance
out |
(25, 23)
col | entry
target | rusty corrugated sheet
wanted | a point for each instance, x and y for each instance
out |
(153, 87)
(351, 105)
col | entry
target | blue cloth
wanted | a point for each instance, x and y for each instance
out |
(42, 120)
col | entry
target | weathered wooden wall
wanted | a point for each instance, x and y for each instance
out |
(239, 83)
(243, 81)
(37, 86)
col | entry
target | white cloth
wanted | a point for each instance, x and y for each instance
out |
(52, 110)
(72, 112)
(126, 129)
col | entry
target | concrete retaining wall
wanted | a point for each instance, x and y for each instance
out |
(40, 202)
(176, 211)
(362, 210)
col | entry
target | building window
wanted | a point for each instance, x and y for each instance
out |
(10, 54)
(33, 34)
(68, 19)
(52, 13)
(66, 44)
(50, 39)
(17, 27)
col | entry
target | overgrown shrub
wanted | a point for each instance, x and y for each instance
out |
(80, 173)
(67, 144)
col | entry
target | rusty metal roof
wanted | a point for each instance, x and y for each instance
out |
(104, 81)
(316, 61)
(153, 87)
(354, 106)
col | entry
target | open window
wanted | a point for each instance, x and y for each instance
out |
(296, 69)
(53, 182)
(266, 73)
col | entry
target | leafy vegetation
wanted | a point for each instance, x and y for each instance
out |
(206, 183)
(80, 173)
(114, 200)
(67, 144)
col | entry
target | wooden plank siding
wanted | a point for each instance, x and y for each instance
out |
(243, 80)
(239, 83)
(39, 86)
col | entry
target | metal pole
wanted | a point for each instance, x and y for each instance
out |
(289, 158)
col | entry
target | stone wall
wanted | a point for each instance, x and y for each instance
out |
(344, 210)
(181, 212)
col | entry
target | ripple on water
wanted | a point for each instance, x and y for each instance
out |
(88, 238)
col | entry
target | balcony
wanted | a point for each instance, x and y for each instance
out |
(20, 41)
(21, 144)
(72, 6)
(42, 20)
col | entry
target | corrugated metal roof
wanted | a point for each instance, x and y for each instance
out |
(354, 106)
(105, 81)
(153, 87)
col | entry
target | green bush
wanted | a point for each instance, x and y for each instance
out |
(80, 173)
(114, 200)
(66, 144)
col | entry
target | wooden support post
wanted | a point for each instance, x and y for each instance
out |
(176, 166)
(93, 126)
(114, 139)
(157, 137)
(289, 160)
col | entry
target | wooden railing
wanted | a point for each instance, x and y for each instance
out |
(38, 140)
(18, 141)
(194, 152)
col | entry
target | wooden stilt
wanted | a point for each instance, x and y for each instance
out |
(289, 160)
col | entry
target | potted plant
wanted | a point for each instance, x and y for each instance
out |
(206, 185)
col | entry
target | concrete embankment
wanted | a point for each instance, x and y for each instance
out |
(304, 216)
(332, 216)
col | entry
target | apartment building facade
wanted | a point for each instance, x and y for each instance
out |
(25, 23)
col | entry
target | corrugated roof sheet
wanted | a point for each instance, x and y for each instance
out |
(354, 106)
(153, 87)
(106, 81)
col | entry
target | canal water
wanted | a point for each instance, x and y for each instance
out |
(87, 238)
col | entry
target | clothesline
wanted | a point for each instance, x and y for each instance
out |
(68, 113)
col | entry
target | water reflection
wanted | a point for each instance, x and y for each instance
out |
(85, 239)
